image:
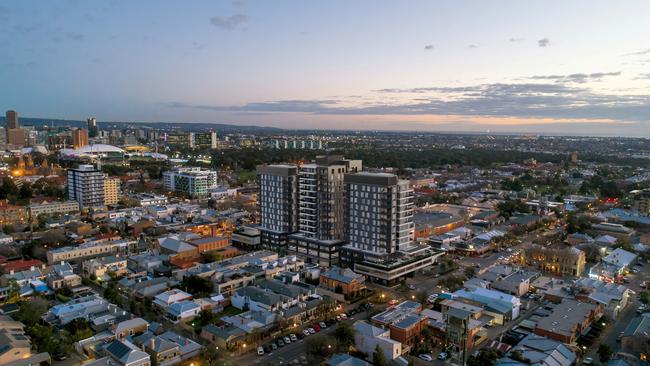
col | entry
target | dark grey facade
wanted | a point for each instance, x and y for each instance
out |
(278, 203)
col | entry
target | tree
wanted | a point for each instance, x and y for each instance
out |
(422, 297)
(211, 355)
(485, 357)
(469, 272)
(378, 358)
(196, 285)
(344, 334)
(604, 353)
(644, 297)
(31, 311)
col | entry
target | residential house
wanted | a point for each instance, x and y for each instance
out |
(367, 337)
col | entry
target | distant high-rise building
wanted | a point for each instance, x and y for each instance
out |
(574, 157)
(16, 138)
(179, 139)
(12, 120)
(278, 202)
(111, 190)
(80, 138)
(192, 181)
(641, 202)
(92, 127)
(86, 186)
(203, 140)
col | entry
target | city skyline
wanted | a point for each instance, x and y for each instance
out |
(537, 67)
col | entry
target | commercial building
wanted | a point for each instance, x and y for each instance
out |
(13, 214)
(501, 306)
(568, 320)
(613, 267)
(278, 204)
(405, 322)
(192, 181)
(203, 140)
(91, 124)
(111, 190)
(538, 350)
(342, 280)
(641, 202)
(50, 208)
(86, 186)
(558, 259)
(12, 120)
(100, 267)
(16, 138)
(86, 250)
(79, 138)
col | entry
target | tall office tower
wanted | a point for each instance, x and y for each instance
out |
(79, 138)
(92, 127)
(321, 228)
(379, 228)
(12, 120)
(16, 138)
(3, 138)
(457, 332)
(86, 186)
(278, 202)
(111, 190)
(203, 140)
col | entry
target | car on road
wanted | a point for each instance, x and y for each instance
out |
(60, 356)
(411, 287)
(393, 302)
(344, 316)
(442, 356)
(306, 332)
(587, 361)
(260, 351)
(338, 318)
(425, 357)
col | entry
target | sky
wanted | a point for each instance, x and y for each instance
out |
(561, 67)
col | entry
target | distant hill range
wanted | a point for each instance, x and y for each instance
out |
(224, 128)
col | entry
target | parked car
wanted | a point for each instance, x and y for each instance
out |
(306, 332)
(442, 356)
(311, 331)
(322, 325)
(338, 318)
(411, 287)
(587, 361)
(280, 343)
(620, 336)
(260, 351)
(286, 340)
(293, 337)
(425, 357)
(274, 346)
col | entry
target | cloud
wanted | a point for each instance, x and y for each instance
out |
(576, 78)
(229, 23)
(472, 46)
(638, 53)
(428, 47)
(544, 42)
(643, 76)
(513, 40)
(516, 100)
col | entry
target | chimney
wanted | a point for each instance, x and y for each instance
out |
(153, 342)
